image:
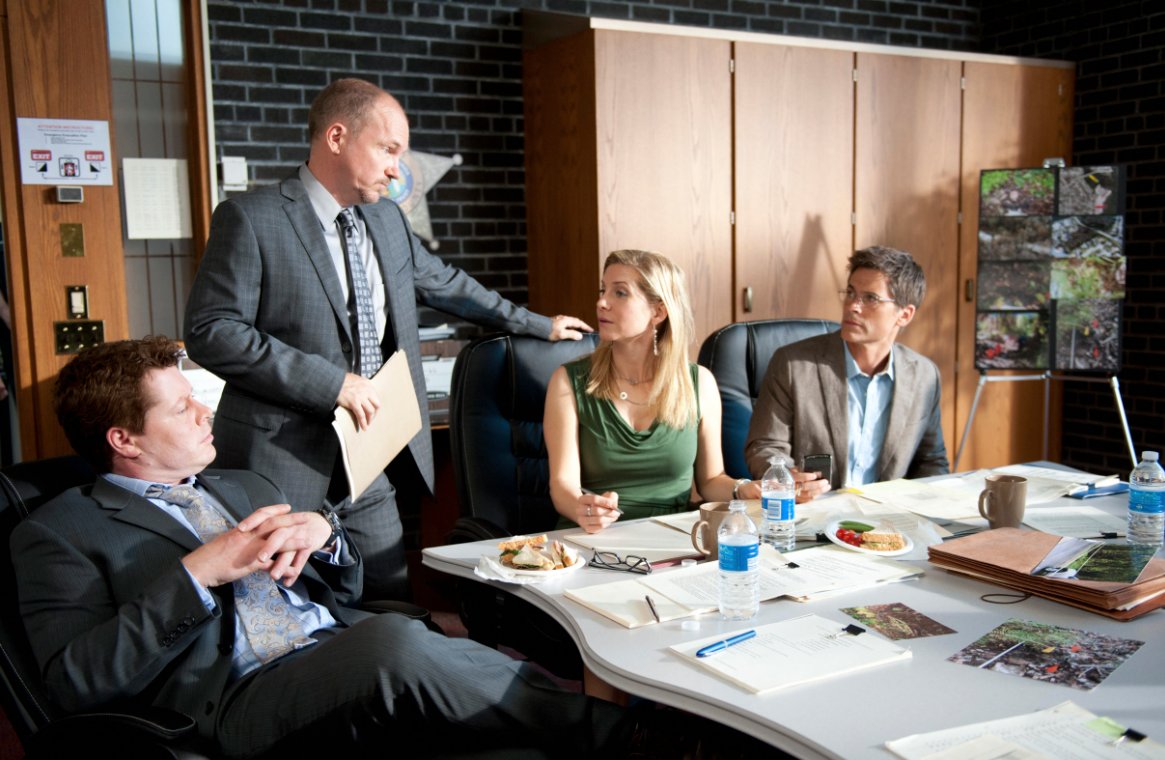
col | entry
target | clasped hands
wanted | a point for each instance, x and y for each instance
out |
(271, 538)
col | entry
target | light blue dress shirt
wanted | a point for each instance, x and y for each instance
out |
(312, 616)
(868, 406)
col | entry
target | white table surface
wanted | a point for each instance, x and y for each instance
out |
(851, 716)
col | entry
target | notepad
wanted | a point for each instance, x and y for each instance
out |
(792, 652)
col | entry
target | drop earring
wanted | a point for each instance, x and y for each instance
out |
(655, 341)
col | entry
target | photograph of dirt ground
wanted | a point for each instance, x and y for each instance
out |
(897, 621)
(1064, 656)
(1017, 192)
(1091, 190)
(1087, 334)
(1011, 340)
(1015, 238)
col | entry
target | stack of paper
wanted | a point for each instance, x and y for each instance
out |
(792, 652)
(1066, 730)
(688, 591)
(1066, 482)
(1007, 556)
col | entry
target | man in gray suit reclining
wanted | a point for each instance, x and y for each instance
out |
(855, 394)
(201, 591)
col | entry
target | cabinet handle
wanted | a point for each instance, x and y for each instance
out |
(748, 300)
(969, 291)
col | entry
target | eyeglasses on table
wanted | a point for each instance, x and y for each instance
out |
(629, 564)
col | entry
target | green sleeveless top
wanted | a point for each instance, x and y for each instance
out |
(651, 470)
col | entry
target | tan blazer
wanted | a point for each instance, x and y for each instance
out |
(801, 410)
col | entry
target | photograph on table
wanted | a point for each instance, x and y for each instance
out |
(1049, 653)
(1091, 190)
(1015, 238)
(1083, 560)
(1017, 192)
(897, 621)
(1011, 340)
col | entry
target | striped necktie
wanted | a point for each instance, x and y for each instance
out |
(360, 296)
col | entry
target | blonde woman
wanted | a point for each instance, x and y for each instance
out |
(633, 430)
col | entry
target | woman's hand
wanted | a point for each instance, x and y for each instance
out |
(749, 490)
(597, 511)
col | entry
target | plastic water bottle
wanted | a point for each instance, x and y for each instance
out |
(739, 546)
(1147, 501)
(777, 493)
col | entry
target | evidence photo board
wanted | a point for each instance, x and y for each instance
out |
(1051, 268)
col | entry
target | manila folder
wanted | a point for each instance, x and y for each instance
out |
(367, 452)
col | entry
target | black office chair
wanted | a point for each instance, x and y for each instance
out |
(503, 479)
(44, 730)
(737, 356)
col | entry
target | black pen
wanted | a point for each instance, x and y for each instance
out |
(654, 612)
(721, 645)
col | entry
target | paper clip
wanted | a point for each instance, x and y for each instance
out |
(1129, 735)
(849, 630)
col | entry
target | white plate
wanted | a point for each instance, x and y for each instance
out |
(831, 534)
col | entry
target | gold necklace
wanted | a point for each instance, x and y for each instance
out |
(624, 397)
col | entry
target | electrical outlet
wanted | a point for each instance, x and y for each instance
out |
(73, 337)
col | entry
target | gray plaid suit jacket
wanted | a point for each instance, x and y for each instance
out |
(266, 313)
(801, 410)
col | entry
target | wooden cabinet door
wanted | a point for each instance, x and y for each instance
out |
(906, 179)
(793, 111)
(1013, 116)
(664, 116)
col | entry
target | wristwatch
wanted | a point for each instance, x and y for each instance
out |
(736, 487)
(336, 525)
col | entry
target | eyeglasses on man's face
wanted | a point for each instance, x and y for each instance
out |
(867, 300)
(628, 564)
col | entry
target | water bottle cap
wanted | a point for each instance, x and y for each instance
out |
(1149, 456)
(736, 506)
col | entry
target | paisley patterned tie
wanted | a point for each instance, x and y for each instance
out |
(371, 356)
(268, 622)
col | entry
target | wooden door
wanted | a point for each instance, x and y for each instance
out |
(793, 122)
(1014, 116)
(906, 182)
(66, 39)
(664, 158)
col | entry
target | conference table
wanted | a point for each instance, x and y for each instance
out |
(851, 716)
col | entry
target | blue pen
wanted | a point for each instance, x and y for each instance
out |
(719, 645)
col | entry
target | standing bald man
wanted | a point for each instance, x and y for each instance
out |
(304, 288)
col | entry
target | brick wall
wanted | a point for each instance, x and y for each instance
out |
(1119, 49)
(457, 68)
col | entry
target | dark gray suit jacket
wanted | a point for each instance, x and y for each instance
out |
(112, 614)
(801, 410)
(266, 313)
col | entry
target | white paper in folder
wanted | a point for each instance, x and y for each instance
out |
(367, 452)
